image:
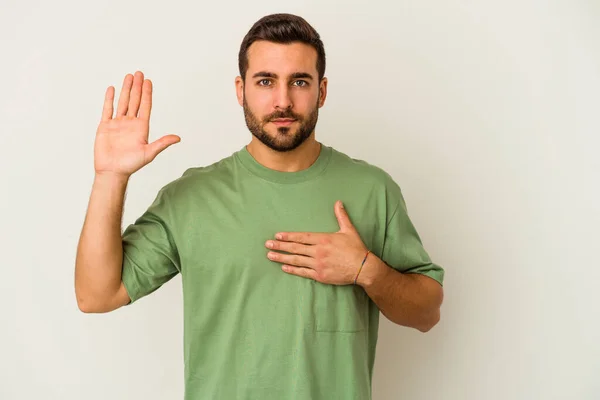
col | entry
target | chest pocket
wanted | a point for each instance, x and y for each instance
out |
(340, 308)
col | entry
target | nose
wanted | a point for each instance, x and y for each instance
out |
(282, 98)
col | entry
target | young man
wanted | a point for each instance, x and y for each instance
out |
(282, 284)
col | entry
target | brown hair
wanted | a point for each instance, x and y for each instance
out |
(282, 28)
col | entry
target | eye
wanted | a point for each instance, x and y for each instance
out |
(268, 82)
(302, 83)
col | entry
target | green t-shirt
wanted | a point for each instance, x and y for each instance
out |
(252, 331)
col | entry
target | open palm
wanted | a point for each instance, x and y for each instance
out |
(121, 145)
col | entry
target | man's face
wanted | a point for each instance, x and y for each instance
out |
(281, 95)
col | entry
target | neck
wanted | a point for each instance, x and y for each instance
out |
(295, 160)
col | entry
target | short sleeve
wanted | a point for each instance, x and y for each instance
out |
(402, 247)
(150, 257)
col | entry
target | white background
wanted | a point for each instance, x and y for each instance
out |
(486, 114)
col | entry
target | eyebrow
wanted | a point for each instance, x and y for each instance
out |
(295, 75)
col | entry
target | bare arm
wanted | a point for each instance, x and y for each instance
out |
(98, 283)
(412, 300)
(120, 149)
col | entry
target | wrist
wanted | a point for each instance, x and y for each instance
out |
(111, 177)
(372, 271)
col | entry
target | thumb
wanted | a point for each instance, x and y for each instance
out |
(159, 145)
(342, 217)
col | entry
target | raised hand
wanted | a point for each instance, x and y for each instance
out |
(121, 146)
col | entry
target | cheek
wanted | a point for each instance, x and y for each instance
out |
(305, 104)
(258, 101)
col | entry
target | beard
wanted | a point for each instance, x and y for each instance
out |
(286, 139)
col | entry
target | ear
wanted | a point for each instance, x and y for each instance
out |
(322, 92)
(239, 90)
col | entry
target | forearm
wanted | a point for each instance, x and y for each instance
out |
(100, 249)
(411, 300)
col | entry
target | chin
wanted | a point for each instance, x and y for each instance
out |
(283, 142)
(282, 133)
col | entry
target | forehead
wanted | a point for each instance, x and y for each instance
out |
(283, 59)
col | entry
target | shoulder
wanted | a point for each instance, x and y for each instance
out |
(194, 179)
(366, 171)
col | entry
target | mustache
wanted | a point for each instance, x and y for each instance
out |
(283, 114)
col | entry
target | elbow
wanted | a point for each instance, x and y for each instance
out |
(433, 317)
(83, 302)
(85, 306)
(88, 301)
(88, 305)
(432, 321)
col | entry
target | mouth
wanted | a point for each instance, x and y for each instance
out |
(283, 121)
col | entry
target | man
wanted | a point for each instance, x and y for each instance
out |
(282, 284)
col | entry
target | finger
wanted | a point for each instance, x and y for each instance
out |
(303, 272)
(124, 96)
(136, 94)
(301, 237)
(342, 217)
(159, 145)
(292, 247)
(292, 259)
(107, 110)
(146, 102)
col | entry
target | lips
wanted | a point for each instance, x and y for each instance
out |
(283, 121)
